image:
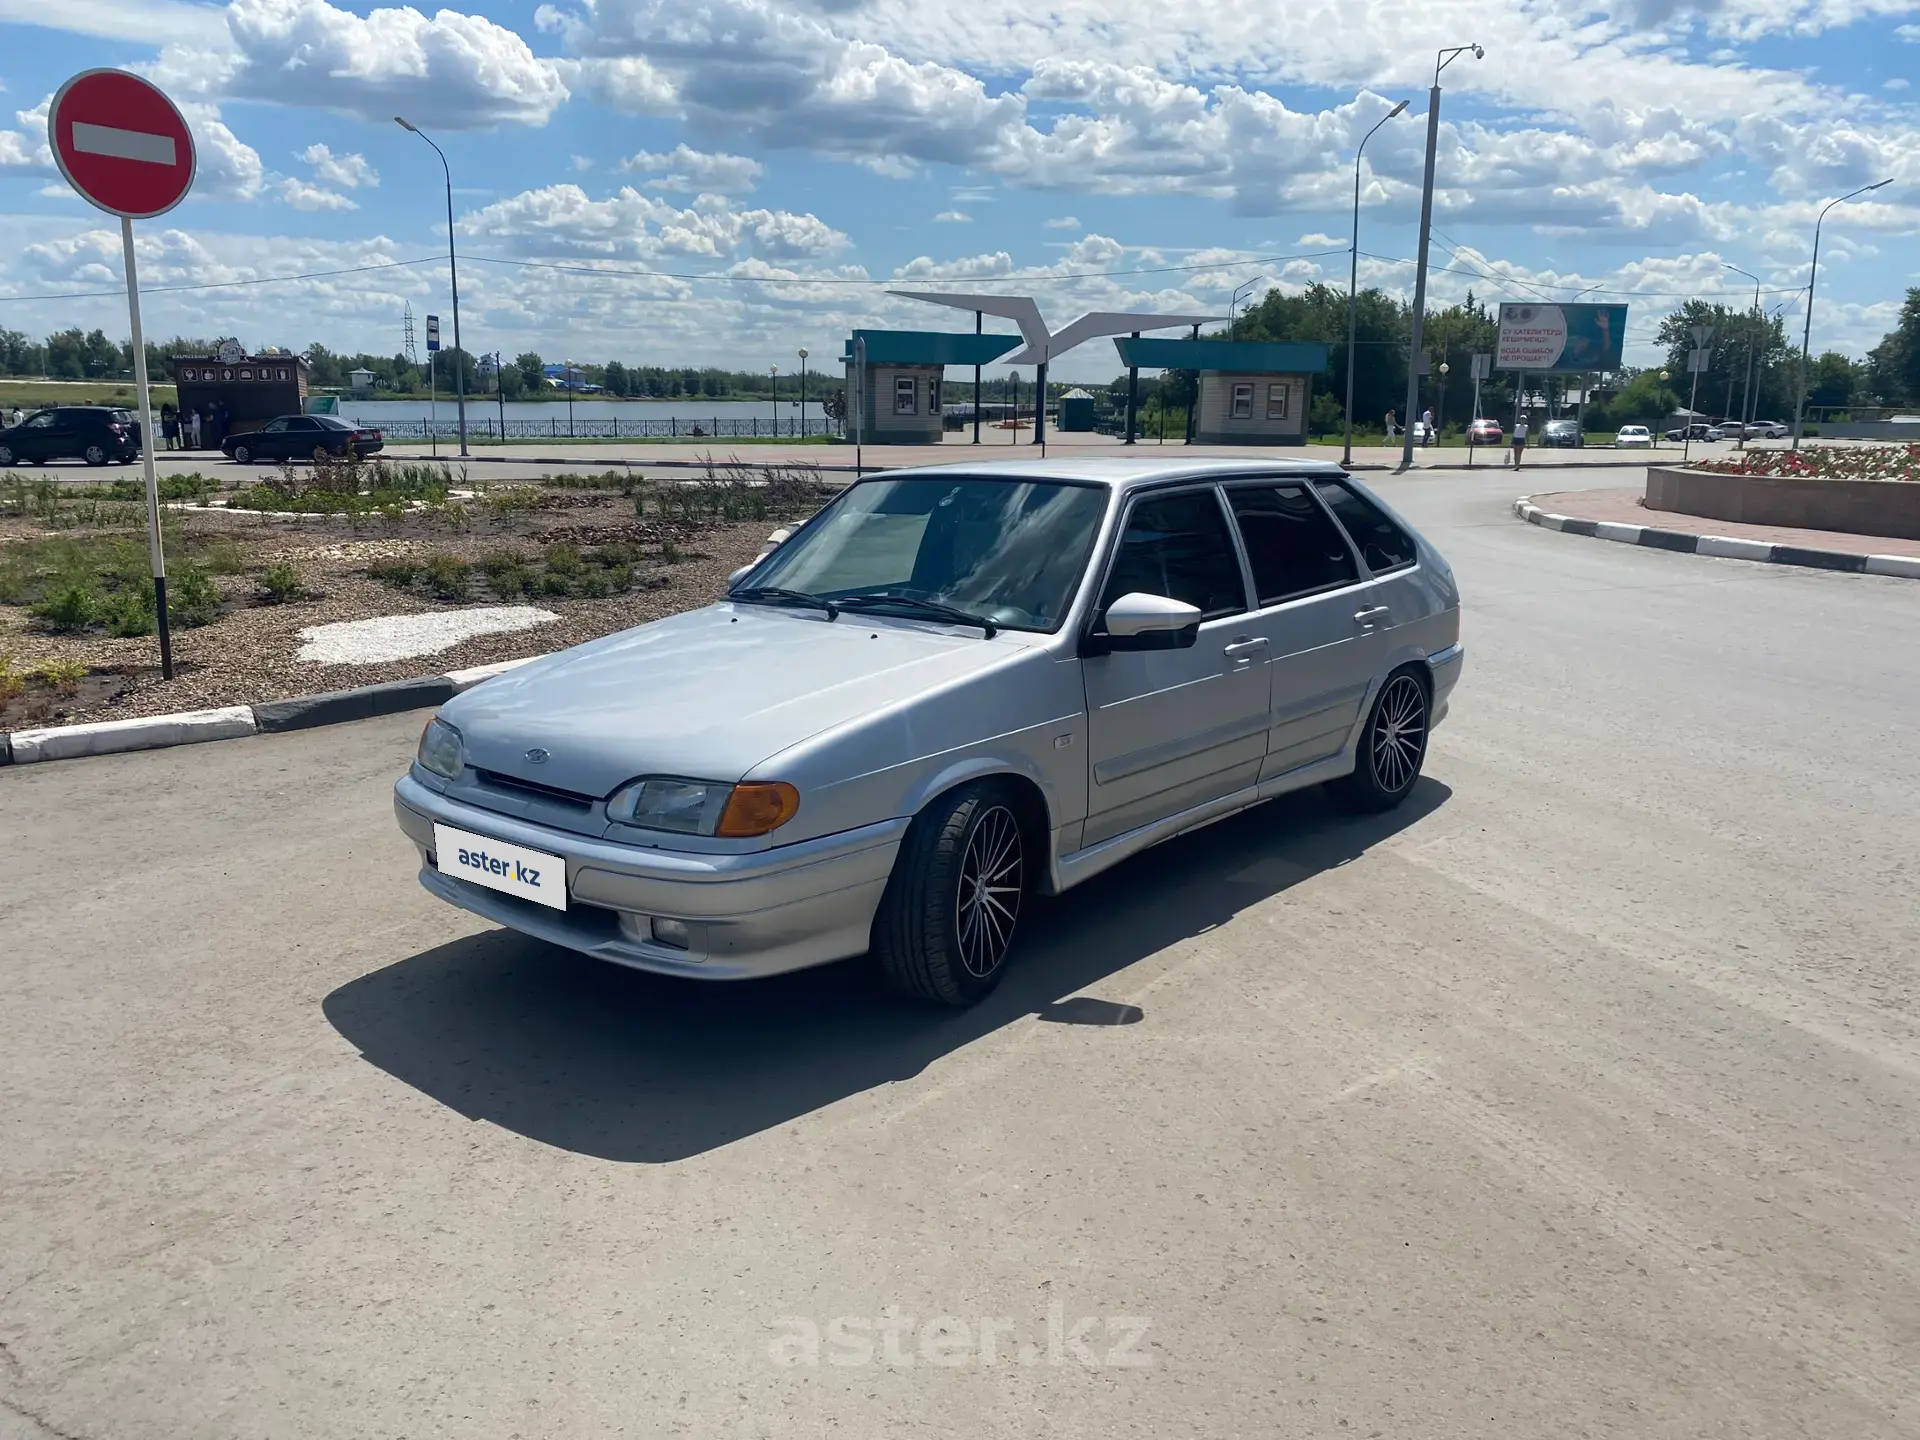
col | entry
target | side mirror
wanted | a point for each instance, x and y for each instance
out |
(737, 576)
(1138, 613)
(775, 541)
(1138, 621)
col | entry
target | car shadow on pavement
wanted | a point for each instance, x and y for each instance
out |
(603, 1061)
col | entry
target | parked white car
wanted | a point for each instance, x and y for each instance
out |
(950, 691)
(1633, 437)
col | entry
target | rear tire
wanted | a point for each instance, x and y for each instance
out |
(1392, 747)
(947, 921)
(95, 455)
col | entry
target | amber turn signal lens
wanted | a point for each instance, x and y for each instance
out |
(756, 808)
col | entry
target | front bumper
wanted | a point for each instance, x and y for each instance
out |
(747, 915)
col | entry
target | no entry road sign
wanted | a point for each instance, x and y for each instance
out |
(126, 148)
(121, 143)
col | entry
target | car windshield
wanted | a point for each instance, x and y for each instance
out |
(1012, 551)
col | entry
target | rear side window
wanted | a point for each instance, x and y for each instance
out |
(1179, 546)
(1293, 547)
(1382, 544)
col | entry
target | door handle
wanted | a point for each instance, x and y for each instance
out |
(1243, 650)
(1371, 614)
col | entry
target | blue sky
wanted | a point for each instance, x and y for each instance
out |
(725, 182)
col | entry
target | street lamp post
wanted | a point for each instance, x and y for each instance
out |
(567, 370)
(1806, 333)
(1233, 300)
(453, 278)
(1746, 392)
(1353, 274)
(773, 373)
(803, 392)
(1442, 60)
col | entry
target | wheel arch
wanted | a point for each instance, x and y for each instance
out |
(1031, 805)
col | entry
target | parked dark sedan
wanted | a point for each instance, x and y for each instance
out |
(297, 437)
(93, 433)
(1560, 434)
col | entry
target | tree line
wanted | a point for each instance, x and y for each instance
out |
(1752, 366)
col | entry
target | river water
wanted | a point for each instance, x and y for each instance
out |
(591, 419)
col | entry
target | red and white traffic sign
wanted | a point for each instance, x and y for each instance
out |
(121, 143)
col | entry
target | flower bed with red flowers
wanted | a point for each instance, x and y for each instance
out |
(1824, 462)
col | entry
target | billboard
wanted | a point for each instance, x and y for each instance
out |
(1560, 337)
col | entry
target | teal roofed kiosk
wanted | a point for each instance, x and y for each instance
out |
(1251, 392)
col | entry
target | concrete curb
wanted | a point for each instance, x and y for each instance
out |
(192, 727)
(1727, 547)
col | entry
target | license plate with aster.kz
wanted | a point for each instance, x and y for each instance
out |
(511, 869)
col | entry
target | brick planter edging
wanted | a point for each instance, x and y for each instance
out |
(1727, 547)
(231, 722)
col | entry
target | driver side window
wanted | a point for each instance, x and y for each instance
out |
(1179, 546)
(42, 421)
(273, 427)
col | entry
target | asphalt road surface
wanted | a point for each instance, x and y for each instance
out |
(1578, 1098)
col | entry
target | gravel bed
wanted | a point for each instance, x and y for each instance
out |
(251, 652)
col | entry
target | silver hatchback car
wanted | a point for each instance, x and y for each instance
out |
(951, 690)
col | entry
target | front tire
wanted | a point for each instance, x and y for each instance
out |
(1392, 747)
(242, 455)
(946, 923)
(6, 455)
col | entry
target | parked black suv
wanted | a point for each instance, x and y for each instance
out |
(93, 433)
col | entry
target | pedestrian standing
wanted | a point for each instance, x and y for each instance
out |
(192, 427)
(1427, 421)
(169, 427)
(1390, 427)
(1519, 441)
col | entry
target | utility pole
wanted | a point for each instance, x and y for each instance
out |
(1443, 59)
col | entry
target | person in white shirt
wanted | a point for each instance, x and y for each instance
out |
(1519, 441)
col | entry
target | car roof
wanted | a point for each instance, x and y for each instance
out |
(1121, 472)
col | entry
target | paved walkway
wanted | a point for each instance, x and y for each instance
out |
(1624, 507)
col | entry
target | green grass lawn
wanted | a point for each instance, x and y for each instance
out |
(31, 394)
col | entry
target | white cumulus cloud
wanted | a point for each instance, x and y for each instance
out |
(684, 168)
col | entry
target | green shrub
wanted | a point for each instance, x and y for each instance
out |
(192, 600)
(554, 583)
(129, 613)
(563, 558)
(63, 677)
(448, 577)
(281, 583)
(670, 551)
(594, 584)
(222, 555)
(613, 555)
(397, 573)
(71, 603)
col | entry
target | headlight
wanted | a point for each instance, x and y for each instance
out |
(440, 749)
(705, 807)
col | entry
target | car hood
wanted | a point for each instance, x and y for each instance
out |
(707, 695)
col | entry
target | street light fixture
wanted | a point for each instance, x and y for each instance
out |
(1353, 272)
(1806, 333)
(1443, 59)
(1233, 300)
(803, 392)
(453, 278)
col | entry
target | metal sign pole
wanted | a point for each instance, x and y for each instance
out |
(860, 388)
(154, 542)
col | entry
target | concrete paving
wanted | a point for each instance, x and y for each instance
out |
(1577, 1098)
